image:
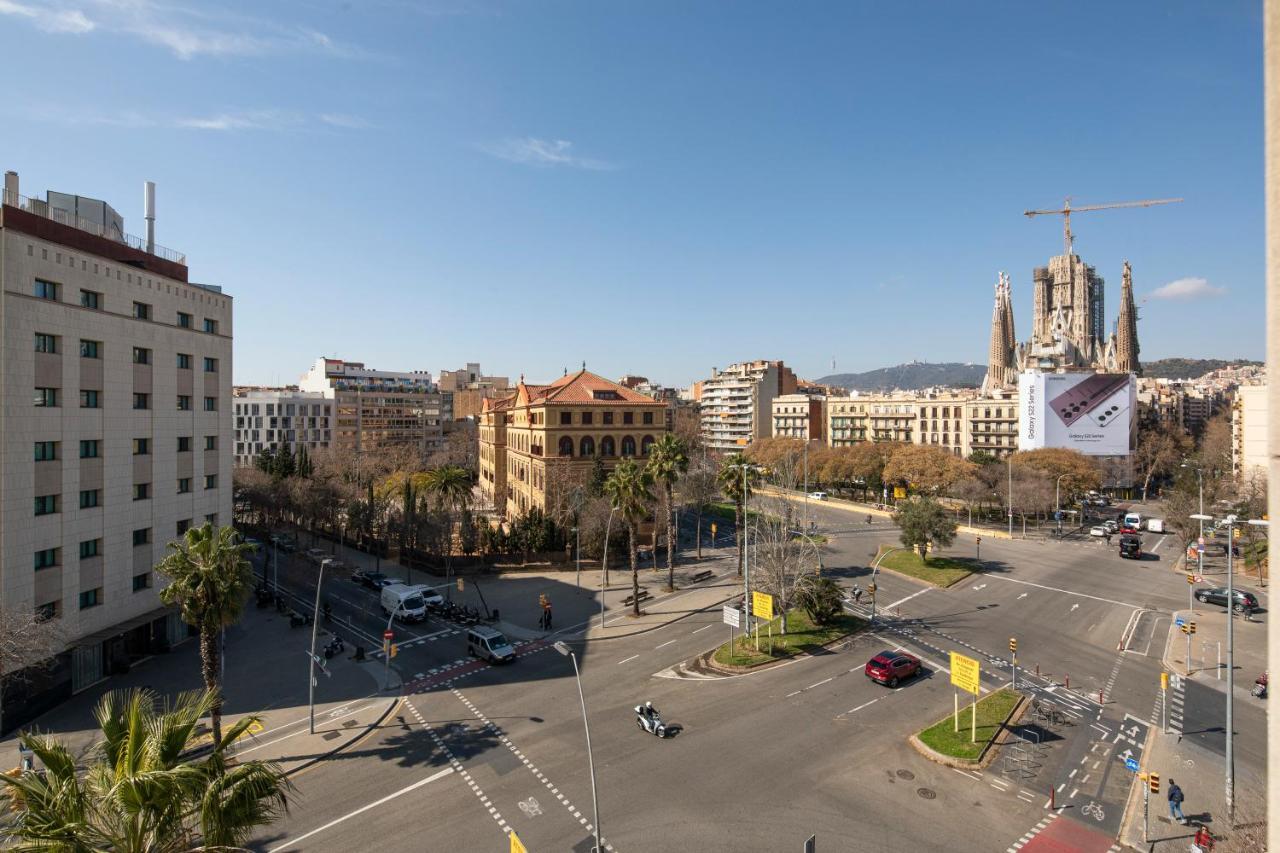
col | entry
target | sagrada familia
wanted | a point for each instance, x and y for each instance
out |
(1068, 330)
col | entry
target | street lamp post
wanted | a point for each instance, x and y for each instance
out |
(746, 550)
(875, 567)
(1010, 459)
(591, 763)
(1201, 516)
(577, 558)
(1057, 503)
(315, 627)
(604, 562)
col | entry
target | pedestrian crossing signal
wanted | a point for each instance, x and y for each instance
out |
(1153, 779)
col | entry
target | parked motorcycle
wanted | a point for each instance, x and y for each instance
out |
(648, 719)
(1259, 687)
(334, 647)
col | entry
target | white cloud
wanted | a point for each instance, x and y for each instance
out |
(48, 18)
(1187, 289)
(251, 120)
(343, 120)
(271, 120)
(542, 152)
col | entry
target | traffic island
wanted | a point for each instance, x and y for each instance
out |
(942, 743)
(939, 571)
(803, 637)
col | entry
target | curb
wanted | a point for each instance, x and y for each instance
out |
(988, 754)
(391, 706)
(708, 658)
(1133, 800)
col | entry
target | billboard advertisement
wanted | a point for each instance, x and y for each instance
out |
(1088, 412)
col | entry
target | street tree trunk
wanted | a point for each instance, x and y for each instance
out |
(635, 571)
(671, 533)
(738, 513)
(209, 660)
(699, 535)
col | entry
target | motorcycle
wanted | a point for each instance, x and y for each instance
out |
(648, 719)
(334, 647)
(1259, 687)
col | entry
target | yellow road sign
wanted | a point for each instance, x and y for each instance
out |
(516, 846)
(762, 605)
(965, 673)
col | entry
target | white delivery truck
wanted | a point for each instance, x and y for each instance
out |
(1155, 525)
(404, 603)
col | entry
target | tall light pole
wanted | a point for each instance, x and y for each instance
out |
(604, 561)
(746, 550)
(1010, 459)
(1200, 542)
(315, 626)
(1057, 503)
(577, 558)
(591, 762)
(875, 567)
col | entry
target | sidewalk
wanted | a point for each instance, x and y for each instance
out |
(266, 674)
(1209, 648)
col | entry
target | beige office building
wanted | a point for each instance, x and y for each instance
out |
(799, 416)
(380, 408)
(1249, 432)
(116, 428)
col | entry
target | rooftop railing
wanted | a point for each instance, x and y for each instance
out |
(36, 207)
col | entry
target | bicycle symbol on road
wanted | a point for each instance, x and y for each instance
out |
(1093, 810)
(530, 807)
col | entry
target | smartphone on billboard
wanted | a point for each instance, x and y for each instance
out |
(1087, 395)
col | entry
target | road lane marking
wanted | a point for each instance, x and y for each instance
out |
(667, 643)
(820, 683)
(703, 628)
(633, 657)
(1064, 591)
(1158, 544)
(864, 705)
(405, 790)
(1024, 595)
(905, 600)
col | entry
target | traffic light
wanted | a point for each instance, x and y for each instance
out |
(978, 539)
(395, 649)
(1013, 645)
(1193, 627)
(459, 584)
(1186, 628)
(871, 588)
(1191, 578)
(1164, 681)
(1153, 779)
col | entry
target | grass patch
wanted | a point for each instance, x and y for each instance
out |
(992, 710)
(939, 571)
(802, 636)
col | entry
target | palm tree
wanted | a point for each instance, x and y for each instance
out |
(451, 484)
(737, 488)
(628, 491)
(668, 460)
(141, 792)
(209, 579)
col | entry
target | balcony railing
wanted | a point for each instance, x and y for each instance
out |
(36, 207)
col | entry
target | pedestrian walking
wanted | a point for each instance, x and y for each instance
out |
(1203, 842)
(857, 594)
(1175, 802)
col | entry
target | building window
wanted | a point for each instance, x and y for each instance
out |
(211, 404)
(142, 581)
(46, 451)
(210, 442)
(90, 349)
(184, 361)
(211, 326)
(90, 548)
(90, 399)
(48, 610)
(184, 320)
(628, 417)
(184, 403)
(588, 445)
(46, 290)
(141, 491)
(628, 446)
(46, 504)
(646, 444)
(566, 446)
(90, 598)
(89, 448)
(141, 446)
(184, 485)
(586, 418)
(89, 498)
(46, 343)
(608, 417)
(142, 401)
(184, 444)
(46, 559)
(46, 397)
(183, 526)
(212, 520)
(648, 417)
(607, 446)
(211, 481)
(142, 536)
(141, 355)
(566, 418)
(210, 365)
(90, 299)
(141, 311)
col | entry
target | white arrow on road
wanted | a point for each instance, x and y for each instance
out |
(1127, 754)
(981, 586)
(1024, 595)
(1073, 607)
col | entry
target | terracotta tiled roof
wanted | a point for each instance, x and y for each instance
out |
(581, 388)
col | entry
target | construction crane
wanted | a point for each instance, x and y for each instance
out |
(1066, 211)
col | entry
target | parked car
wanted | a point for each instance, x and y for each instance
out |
(1131, 547)
(315, 555)
(1111, 526)
(371, 580)
(892, 667)
(1245, 601)
(1099, 531)
(818, 496)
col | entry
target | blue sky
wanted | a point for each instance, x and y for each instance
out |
(655, 188)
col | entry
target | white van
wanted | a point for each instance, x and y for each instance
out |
(404, 603)
(489, 644)
(1134, 520)
(1155, 525)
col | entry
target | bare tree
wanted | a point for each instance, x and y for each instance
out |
(697, 488)
(781, 560)
(28, 640)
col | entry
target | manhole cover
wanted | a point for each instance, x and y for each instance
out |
(906, 774)
(331, 735)
(927, 793)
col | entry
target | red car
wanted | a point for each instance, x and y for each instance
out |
(891, 667)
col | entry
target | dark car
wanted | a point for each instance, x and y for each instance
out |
(891, 667)
(1131, 547)
(372, 580)
(1245, 601)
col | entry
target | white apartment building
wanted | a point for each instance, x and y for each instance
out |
(991, 424)
(278, 419)
(380, 408)
(799, 416)
(116, 429)
(737, 403)
(1249, 432)
(933, 418)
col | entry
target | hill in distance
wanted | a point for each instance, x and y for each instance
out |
(952, 374)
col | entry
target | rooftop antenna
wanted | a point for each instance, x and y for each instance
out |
(149, 213)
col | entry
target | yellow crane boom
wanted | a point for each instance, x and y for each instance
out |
(1066, 210)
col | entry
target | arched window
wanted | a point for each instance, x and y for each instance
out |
(628, 446)
(587, 446)
(566, 446)
(606, 447)
(646, 444)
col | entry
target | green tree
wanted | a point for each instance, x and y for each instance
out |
(628, 491)
(137, 793)
(451, 486)
(737, 487)
(982, 458)
(209, 579)
(668, 461)
(821, 599)
(923, 521)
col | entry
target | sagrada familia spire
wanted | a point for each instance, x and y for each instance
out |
(1067, 327)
